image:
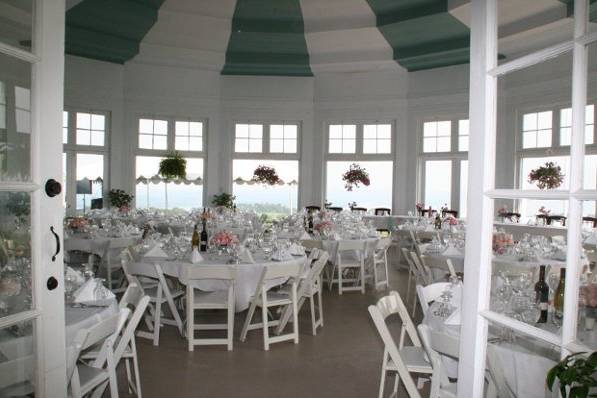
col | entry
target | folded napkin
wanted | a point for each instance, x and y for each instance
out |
(454, 318)
(156, 252)
(281, 255)
(246, 256)
(305, 236)
(196, 256)
(92, 291)
(75, 276)
(336, 236)
(452, 251)
(297, 250)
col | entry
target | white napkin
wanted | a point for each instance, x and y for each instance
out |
(281, 255)
(305, 236)
(336, 236)
(156, 252)
(76, 276)
(297, 250)
(196, 256)
(592, 239)
(92, 290)
(454, 318)
(452, 251)
(246, 256)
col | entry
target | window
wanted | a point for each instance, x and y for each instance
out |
(188, 136)
(463, 133)
(65, 127)
(437, 136)
(90, 129)
(438, 183)
(283, 138)
(153, 134)
(23, 109)
(90, 167)
(536, 129)
(342, 138)
(274, 201)
(566, 125)
(377, 138)
(377, 194)
(249, 138)
(463, 187)
(157, 194)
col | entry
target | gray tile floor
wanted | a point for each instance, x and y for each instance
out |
(343, 360)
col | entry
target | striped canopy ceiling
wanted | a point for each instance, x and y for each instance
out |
(298, 37)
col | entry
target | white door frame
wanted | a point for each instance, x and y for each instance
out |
(47, 90)
(484, 73)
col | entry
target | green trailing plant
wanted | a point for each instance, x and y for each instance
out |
(548, 176)
(173, 166)
(576, 374)
(224, 200)
(119, 198)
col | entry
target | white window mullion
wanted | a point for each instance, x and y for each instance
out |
(577, 154)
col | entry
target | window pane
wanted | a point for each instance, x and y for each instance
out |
(195, 144)
(97, 138)
(349, 131)
(530, 208)
(276, 131)
(290, 131)
(335, 146)
(529, 139)
(98, 122)
(83, 137)
(146, 126)
(443, 144)
(429, 144)
(544, 120)
(463, 188)
(369, 131)
(543, 138)
(256, 131)
(377, 194)
(89, 167)
(64, 126)
(529, 122)
(276, 146)
(335, 131)
(160, 127)
(196, 128)
(145, 141)
(565, 135)
(241, 145)
(181, 128)
(384, 131)
(181, 143)
(290, 146)
(83, 121)
(242, 130)
(348, 146)
(438, 183)
(370, 146)
(444, 128)
(384, 146)
(160, 142)
(430, 129)
(255, 146)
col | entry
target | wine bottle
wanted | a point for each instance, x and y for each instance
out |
(558, 301)
(310, 230)
(438, 222)
(204, 237)
(542, 295)
(195, 239)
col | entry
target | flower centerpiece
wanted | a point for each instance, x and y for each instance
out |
(78, 223)
(324, 227)
(548, 176)
(354, 176)
(266, 175)
(419, 206)
(120, 199)
(224, 239)
(501, 241)
(224, 199)
(173, 166)
(544, 211)
(450, 220)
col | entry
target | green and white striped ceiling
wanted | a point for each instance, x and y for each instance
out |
(291, 37)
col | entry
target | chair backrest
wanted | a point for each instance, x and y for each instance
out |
(311, 209)
(444, 264)
(382, 211)
(445, 344)
(358, 209)
(138, 304)
(101, 330)
(318, 265)
(496, 371)
(451, 212)
(290, 270)
(384, 244)
(393, 304)
(73, 351)
(335, 209)
(590, 220)
(132, 295)
(434, 357)
(430, 293)
(423, 272)
(16, 371)
(218, 272)
(147, 270)
(347, 245)
(390, 347)
(312, 244)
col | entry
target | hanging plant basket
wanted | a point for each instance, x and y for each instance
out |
(266, 175)
(173, 166)
(224, 200)
(120, 199)
(548, 176)
(354, 176)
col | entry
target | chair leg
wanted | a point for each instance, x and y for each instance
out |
(136, 368)
(129, 380)
(295, 315)
(230, 330)
(157, 319)
(264, 320)
(243, 333)
(414, 306)
(362, 277)
(382, 381)
(190, 318)
(313, 321)
(340, 280)
(320, 303)
(410, 274)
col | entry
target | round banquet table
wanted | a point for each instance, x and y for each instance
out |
(247, 274)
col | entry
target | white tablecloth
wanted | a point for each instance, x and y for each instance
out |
(518, 230)
(388, 222)
(247, 276)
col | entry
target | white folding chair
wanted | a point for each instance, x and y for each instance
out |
(430, 293)
(89, 377)
(159, 294)
(17, 377)
(266, 299)
(441, 266)
(379, 313)
(309, 287)
(441, 387)
(135, 300)
(350, 255)
(413, 356)
(499, 387)
(218, 300)
(380, 260)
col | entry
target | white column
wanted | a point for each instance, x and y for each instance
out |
(477, 267)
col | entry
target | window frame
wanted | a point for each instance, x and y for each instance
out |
(265, 153)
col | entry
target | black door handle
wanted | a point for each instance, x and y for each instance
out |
(57, 243)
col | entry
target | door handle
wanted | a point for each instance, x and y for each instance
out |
(57, 243)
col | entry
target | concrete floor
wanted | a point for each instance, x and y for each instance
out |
(343, 360)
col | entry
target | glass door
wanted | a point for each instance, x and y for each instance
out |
(32, 342)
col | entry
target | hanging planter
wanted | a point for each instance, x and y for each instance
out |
(354, 176)
(548, 176)
(266, 175)
(120, 199)
(224, 200)
(173, 166)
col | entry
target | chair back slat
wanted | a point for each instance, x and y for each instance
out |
(312, 244)
(101, 330)
(147, 270)
(347, 245)
(291, 270)
(393, 304)
(217, 272)
(16, 371)
(430, 293)
(434, 357)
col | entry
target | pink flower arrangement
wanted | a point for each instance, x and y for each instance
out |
(224, 238)
(205, 216)
(588, 295)
(451, 220)
(324, 226)
(501, 241)
(354, 176)
(78, 223)
(420, 206)
(502, 211)
(543, 210)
